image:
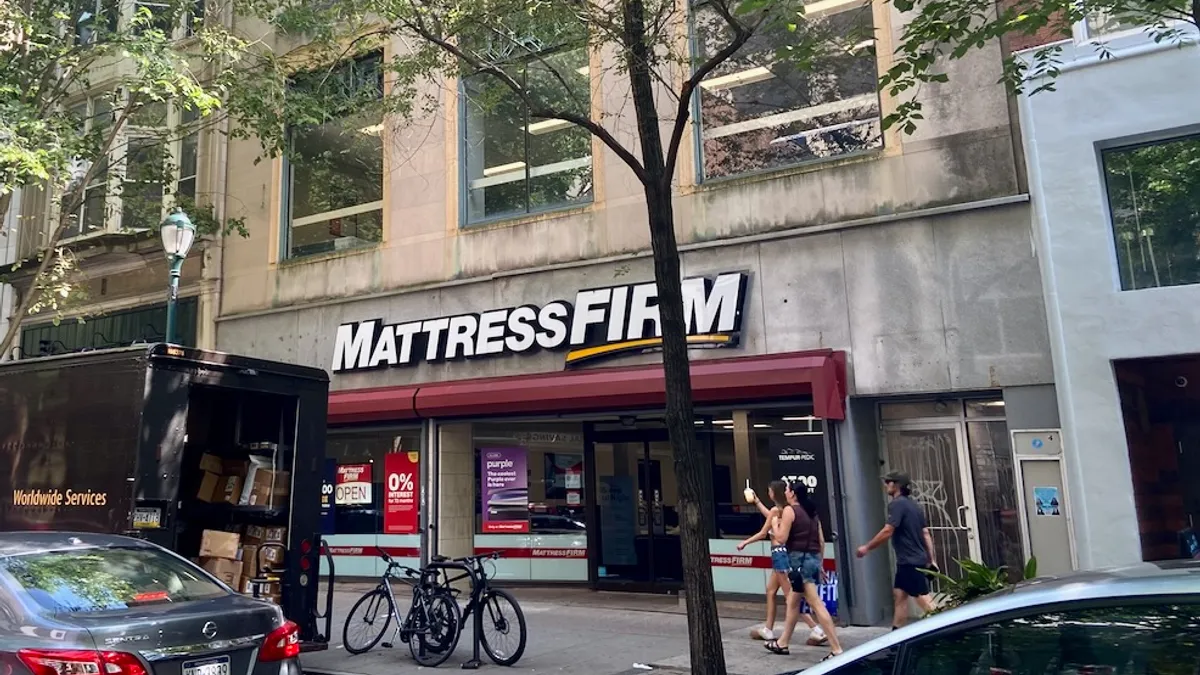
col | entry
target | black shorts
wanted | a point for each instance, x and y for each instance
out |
(911, 580)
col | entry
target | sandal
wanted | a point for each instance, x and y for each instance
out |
(773, 647)
(830, 655)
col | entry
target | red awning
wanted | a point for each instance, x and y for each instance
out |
(820, 374)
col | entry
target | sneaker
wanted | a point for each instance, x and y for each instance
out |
(762, 633)
(817, 637)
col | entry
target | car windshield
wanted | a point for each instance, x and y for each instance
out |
(100, 579)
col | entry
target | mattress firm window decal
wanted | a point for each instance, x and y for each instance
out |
(599, 323)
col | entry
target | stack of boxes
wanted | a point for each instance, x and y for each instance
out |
(233, 557)
(251, 482)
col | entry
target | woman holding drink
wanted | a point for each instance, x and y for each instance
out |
(779, 563)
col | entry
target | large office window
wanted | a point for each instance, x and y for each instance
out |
(334, 169)
(516, 163)
(761, 110)
(151, 165)
(1154, 202)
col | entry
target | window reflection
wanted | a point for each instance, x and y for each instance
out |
(764, 109)
(1154, 203)
(1130, 640)
(554, 501)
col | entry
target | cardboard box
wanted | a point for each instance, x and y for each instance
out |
(212, 464)
(236, 467)
(253, 561)
(229, 490)
(217, 544)
(208, 487)
(253, 466)
(258, 534)
(244, 586)
(229, 571)
(270, 488)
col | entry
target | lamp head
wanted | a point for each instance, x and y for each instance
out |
(178, 232)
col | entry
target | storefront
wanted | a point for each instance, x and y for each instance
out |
(572, 477)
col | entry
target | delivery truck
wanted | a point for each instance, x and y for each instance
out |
(214, 456)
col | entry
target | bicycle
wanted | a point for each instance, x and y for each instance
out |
(485, 598)
(431, 628)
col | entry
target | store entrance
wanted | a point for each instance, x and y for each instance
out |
(636, 546)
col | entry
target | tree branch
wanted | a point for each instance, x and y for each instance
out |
(535, 109)
(741, 35)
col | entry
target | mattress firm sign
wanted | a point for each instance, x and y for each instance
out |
(599, 323)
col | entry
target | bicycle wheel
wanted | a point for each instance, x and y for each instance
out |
(503, 635)
(434, 626)
(365, 626)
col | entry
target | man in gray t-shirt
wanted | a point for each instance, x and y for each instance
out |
(913, 544)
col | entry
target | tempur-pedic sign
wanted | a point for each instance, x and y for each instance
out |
(600, 322)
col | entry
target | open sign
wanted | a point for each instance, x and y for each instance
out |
(353, 484)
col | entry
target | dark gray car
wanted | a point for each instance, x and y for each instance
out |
(93, 604)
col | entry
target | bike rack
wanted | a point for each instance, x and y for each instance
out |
(477, 615)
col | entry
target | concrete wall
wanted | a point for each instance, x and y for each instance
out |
(933, 304)
(1143, 91)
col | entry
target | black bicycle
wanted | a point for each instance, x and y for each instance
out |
(431, 628)
(499, 621)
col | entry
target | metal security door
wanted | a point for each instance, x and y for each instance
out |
(934, 456)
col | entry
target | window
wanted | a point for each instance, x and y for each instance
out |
(153, 16)
(517, 164)
(881, 662)
(117, 329)
(94, 19)
(550, 498)
(334, 170)
(759, 111)
(1154, 203)
(367, 447)
(1131, 640)
(151, 166)
(99, 579)
(93, 116)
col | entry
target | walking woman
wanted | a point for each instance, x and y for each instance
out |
(801, 529)
(779, 563)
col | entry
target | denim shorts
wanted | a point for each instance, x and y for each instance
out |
(805, 569)
(779, 559)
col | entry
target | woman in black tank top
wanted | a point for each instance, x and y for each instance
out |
(801, 529)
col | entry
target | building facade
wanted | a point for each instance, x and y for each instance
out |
(1116, 198)
(859, 299)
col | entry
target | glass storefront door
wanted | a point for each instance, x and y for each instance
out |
(636, 545)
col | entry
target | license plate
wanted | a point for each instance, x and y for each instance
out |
(218, 665)
(147, 518)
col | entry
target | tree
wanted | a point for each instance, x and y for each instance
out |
(536, 61)
(945, 30)
(76, 78)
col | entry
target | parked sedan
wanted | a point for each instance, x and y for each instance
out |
(1142, 620)
(88, 604)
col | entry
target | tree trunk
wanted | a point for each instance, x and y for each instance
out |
(693, 465)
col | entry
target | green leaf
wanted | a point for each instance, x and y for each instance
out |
(1031, 568)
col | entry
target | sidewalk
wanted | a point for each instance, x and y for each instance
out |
(744, 656)
(575, 631)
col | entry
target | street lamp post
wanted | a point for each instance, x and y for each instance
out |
(177, 232)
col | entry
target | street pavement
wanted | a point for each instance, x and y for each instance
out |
(574, 631)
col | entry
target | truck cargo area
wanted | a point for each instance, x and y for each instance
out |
(236, 474)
